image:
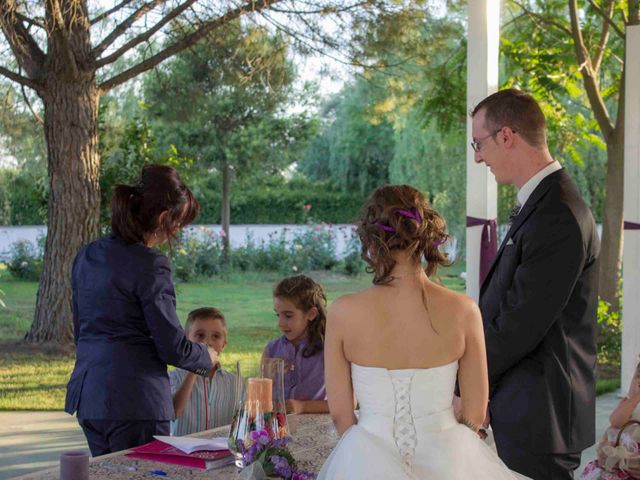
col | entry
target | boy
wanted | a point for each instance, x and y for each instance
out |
(202, 403)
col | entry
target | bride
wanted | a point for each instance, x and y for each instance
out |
(399, 347)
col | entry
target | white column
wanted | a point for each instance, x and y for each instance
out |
(482, 80)
(631, 257)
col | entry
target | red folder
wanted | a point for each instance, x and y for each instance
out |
(161, 452)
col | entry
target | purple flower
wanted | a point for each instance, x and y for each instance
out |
(261, 437)
(281, 466)
(303, 475)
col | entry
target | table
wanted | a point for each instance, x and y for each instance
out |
(314, 437)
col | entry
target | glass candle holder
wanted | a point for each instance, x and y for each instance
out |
(261, 405)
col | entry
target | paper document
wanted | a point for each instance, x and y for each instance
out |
(191, 444)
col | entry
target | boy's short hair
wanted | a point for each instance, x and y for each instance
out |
(205, 312)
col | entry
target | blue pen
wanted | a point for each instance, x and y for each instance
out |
(158, 472)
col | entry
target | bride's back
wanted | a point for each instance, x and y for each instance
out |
(409, 323)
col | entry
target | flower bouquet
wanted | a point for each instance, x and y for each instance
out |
(268, 457)
(618, 459)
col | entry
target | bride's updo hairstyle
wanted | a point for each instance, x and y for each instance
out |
(398, 218)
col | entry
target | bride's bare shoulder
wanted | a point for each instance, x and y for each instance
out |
(350, 304)
(456, 305)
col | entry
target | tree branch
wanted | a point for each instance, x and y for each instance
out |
(542, 18)
(111, 11)
(604, 38)
(35, 114)
(20, 79)
(607, 18)
(186, 42)
(598, 106)
(22, 44)
(146, 35)
(124, 26)
(60, 28)
(30, 21)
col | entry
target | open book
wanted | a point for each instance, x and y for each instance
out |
(159, 451)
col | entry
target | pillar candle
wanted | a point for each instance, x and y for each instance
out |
(259, 389)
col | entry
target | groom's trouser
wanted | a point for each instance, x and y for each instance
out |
(539, 467)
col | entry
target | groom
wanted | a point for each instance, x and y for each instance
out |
(539, 299)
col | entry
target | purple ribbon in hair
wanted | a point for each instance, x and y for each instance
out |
(413, 213)
(405, 213)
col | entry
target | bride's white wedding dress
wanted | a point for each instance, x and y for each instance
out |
(407, 430)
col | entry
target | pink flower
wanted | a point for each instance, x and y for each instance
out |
(307, 207)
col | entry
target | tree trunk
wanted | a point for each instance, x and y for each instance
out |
(611, 253)
(71, 131)
(226, 206)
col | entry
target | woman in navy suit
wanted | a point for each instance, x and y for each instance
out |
(125, 322)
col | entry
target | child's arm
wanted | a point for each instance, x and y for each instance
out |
(183, 393)
(307, 406)
(622, 413)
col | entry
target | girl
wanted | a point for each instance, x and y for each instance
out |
(300, 305)
(628, 408)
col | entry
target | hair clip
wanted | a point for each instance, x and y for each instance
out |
(437, 243)
(411, 214)
(386, 228)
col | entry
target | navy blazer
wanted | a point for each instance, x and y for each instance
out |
(126, 332)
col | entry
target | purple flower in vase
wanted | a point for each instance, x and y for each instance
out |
(252, 453)
(281, 466)
(240, 446)
(260, 437)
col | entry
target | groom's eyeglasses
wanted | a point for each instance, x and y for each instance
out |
(477, 142)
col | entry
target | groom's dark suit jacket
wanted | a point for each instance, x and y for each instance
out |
(539, 304)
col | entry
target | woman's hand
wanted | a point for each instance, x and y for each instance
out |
(213, 355)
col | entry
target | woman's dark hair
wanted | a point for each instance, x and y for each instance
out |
(136, 210)
(306, 294)
(399, 218)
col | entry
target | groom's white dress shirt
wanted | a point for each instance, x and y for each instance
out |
(527, 189)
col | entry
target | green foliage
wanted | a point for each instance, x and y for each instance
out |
(433, 161)
(352, 263)
(241, 84)
(198, 256)
(23, 197)
(200, 253)
(25, 260)
(278, 201)
(355, 148)
(609, 335)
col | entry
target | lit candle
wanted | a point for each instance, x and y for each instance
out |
(259, 393)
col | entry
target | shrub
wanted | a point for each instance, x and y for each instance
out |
(199, 254)
(609, 335)
(352, 263)
(314, 249)
(25, 260)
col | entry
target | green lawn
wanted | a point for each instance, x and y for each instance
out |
(34, 377)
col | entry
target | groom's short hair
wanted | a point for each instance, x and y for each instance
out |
(517, 110)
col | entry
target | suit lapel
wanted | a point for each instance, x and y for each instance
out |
(524, 214)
